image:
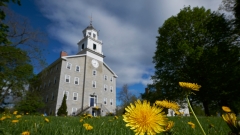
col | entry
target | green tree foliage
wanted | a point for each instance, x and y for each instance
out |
(197, 46)
(62, 111)
(15, 71)
(4, 27)
(15, 60)
(232, 6)
(30, 103)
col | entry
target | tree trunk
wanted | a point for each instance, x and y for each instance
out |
(206, 109)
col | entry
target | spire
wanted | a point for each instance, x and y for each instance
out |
(91, 20)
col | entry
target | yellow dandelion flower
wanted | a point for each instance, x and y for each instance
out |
(27, 113)
(226, 109)
(116, 117)
(25, 133)
(15, 112)
(87, 126)
(3, 118)
(46, 120)
(191, 124)
(177, 112)
(230, 118)
(81, 120)
(18, 116)
(169, 126)
(142, 118)
(190, 86)
(89, 116)
(15, 121)
(168, 104)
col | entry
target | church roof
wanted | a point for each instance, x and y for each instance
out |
(90, 27)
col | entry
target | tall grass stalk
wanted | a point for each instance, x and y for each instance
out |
(195, 116)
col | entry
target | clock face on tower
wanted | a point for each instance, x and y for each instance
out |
(95, 63)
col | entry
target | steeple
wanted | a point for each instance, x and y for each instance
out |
(90, 43)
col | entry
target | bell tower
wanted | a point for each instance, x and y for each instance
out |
(90, 43)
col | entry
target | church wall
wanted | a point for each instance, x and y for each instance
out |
(108, 93)
(49, 87)
(71, 88)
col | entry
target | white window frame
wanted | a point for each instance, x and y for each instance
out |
(69, 66)
(105, 77)
(111, 101)
(94, 72)
(76, 79)
(94, 84)
(105, 87)
(78, 68)
(67, 77)
(74, 110)
(111, 88)
(105, 101)
(111, 79)
(67, 94)
(76, 96)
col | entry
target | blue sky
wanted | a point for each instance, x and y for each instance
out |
(128, 30)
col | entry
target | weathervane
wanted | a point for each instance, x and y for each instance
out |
(90, 20)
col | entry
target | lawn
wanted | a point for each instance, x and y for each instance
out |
(109, 125)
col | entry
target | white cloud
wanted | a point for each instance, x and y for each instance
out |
(128, 29)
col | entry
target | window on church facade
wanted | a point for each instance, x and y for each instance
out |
(78, 68)
(76, 80)
(55, 80)
(52, 96)
(105, 77)
(69, 65)
(105, 87)
(75, 96)
(47, 98)
(94, 46)
(66, 93)
(105, 101)
(67, 78)
(111, 101)
(94, 35)
(89, 33)
(94, 72)
(111, 88)
(111, 79)
(74, 111)
(94, 84)
(82, 46)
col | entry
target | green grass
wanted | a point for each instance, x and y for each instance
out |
(36, 125)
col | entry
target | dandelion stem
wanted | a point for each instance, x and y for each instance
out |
(195, 116)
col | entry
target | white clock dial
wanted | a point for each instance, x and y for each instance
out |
(95, 63)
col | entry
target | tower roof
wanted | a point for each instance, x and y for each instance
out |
(90, 27)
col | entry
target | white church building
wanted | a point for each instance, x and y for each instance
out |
(88, 82)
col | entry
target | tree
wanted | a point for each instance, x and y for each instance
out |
(232, 6)
(22, 35)
(62, 111)
(4, 27)
(15, 71)
(17, 44)
(125, 97)
(30, 103)
(197, 46)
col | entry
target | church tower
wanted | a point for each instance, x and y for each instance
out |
(90, 44)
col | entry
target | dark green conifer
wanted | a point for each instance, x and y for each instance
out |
(62, 111)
